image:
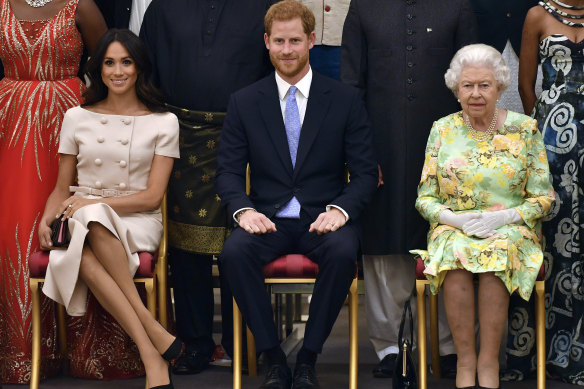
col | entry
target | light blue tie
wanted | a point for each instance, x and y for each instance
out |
(292, 124)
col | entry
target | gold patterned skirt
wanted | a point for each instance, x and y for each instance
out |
(197, 221)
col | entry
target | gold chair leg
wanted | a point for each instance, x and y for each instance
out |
(161, 283)
(434, 341)
(421, 304)
(236, 346)
(150, 296)
(252, 365)
(353, 335)
(36, 333)
(540, 332)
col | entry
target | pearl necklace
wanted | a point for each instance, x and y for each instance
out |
(481, 136)
(38, 3)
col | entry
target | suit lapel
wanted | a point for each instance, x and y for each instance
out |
(272, 114)
(316, 110)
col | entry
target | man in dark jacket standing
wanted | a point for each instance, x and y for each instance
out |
(397, 52)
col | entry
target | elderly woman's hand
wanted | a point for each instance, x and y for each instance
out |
(488, 222)
(457, 220)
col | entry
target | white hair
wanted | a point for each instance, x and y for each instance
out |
(479, 55)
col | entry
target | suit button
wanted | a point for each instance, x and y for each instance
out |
(410, 81)
(409, 47)
(98, 184)
(411, 97)
(122, 186)
(508, 14)
(123, 164)
(410, 64)
(126, 121)
(277, 206)
(410, 16)
(125, 141)
(409, 31)
(103, 120)
(100, 139)
(327, 8)
(98, 162)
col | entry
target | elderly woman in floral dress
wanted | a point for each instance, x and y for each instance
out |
(484, 189)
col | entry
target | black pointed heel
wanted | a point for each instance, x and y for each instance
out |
(174, 350)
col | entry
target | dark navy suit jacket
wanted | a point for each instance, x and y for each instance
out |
(335, 136)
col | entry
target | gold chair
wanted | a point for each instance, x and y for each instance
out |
(300, 272)
(38, 263)
(422, 281)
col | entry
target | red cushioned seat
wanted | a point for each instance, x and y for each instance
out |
(420, 267)
(291, 266)
(38, 262)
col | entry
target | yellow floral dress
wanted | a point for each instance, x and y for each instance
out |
(464, 175)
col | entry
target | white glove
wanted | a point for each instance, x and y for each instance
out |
(489, 222)
(457, 219)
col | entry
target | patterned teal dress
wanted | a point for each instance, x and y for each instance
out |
(464, 175)
(559, 112)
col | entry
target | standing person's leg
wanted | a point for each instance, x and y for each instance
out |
(459, 302)
(389, 283)
(193, 297)
(493, 304)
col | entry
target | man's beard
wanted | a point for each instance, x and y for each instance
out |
(288, 71)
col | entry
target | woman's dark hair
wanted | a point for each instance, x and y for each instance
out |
(147, 93)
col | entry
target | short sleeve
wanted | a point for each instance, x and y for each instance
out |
(67, 144)
(168, 131)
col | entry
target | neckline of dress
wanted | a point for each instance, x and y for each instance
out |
(496, 131)
(113, 114)
(562, 35)
(45, 26)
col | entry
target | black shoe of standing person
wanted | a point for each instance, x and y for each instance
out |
(384, 368)
(191, 362)
(278, 376)
(448, 365)
(305, 377)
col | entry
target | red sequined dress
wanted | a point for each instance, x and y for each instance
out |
(41, 61)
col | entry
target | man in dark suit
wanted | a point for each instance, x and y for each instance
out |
(397, 52)
(298, 131)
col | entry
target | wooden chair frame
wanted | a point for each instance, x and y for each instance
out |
(159, 279)
(434, 350)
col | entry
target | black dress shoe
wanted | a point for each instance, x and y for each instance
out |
(448, 365)
(384, 369)
(305, 377)
(191, 363)
(277, 377)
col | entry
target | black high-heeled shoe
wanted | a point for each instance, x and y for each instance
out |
(174, 350)
(167, 386)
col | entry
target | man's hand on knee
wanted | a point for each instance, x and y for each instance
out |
(328, 221)
(256, 223)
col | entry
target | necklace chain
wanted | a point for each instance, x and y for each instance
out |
(568, 6)
(481, 136)
(37, 3)
(554, 12)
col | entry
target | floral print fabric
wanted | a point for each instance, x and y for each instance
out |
(464, 175)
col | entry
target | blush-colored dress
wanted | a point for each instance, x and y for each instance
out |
(114, 156)
(41, 60)
(464, 175)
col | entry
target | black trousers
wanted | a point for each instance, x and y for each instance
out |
(244, 256)
(193, 300)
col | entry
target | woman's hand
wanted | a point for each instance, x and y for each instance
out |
(45, 234)
(457, 220)
(488, 222)
(72, 204)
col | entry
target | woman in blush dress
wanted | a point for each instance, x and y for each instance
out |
(118, 148)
